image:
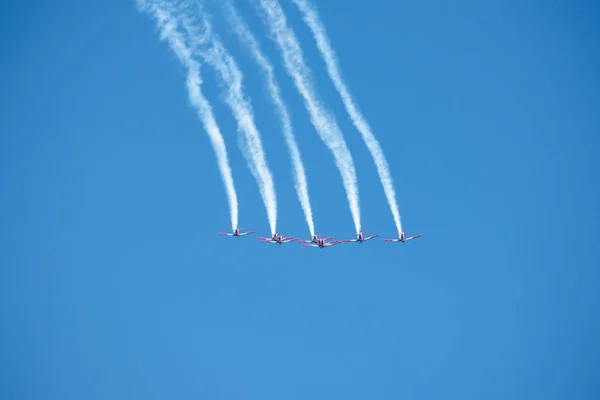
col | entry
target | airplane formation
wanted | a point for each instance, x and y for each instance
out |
(319, 242)
(188, 39)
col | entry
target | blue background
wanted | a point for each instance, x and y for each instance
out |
(114, 284)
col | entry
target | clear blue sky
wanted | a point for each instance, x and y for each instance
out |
(114, 284)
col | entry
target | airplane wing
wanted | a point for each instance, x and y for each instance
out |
(371, 237)
(247, 233)
(391, 240)
(288, 240)
(328, 238)
(332, 243)
(350, 240)
(225, 234)
(414, 237)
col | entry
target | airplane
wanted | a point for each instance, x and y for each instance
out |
(236, 232)
(314, 239)
(322, 244)
(360, 238)
(402, 238)
(277, 239)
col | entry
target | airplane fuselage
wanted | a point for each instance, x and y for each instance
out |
(278, 239)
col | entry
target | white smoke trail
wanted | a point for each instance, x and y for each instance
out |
(247, 38)
(168, 28)
(311, 17)
(324, 123)
(218, 57)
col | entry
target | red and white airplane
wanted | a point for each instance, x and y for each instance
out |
(236, 232)
(402, 238)
(360, 238)
(322, 244)
(277, 239)
(314, 239)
